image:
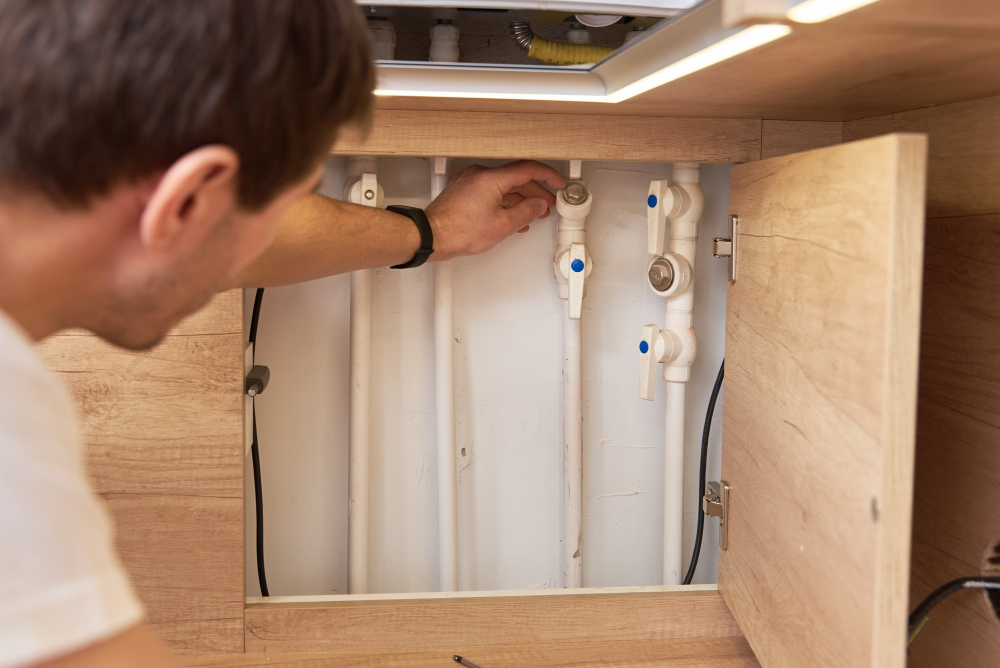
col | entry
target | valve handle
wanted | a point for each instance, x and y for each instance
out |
(576, 278)
(367, 191)
(656, 216)
(663, 203)
(648, 362)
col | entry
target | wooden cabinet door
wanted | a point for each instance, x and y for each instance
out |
(822, 332)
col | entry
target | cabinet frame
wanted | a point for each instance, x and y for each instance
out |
(668, 620)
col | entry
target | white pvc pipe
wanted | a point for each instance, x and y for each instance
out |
(444, 48)
(673, 486)
(571, 229)
(358, 429)
(680, 320)
(444, 374)
(572, 450)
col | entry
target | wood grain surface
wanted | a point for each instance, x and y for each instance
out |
(707, 652)
(964, 160)
(164, 432)
(408, 624)
(556, 136)
(956, 514)
(821, 358)
(784, 137)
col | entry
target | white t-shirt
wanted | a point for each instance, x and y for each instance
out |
(62, 586)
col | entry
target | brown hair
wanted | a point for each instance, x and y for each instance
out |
(97, 93)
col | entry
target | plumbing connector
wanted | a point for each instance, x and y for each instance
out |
(571, 261)
(366, 191)
(444, 42)
(674, 347)
(680, 325)
(669, 275)
(383, 39)
(681, 203)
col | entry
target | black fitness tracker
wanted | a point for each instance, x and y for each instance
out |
(419, 219)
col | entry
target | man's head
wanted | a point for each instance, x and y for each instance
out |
(148, 148)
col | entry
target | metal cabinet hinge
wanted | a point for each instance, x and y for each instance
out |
(715, 503)
(727, 247)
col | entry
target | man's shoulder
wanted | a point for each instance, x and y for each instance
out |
(32, 398)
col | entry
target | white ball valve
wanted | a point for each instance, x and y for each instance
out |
(572, 262)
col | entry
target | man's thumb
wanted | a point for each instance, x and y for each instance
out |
(524, 212)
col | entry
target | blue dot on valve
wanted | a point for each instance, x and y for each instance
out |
(643, 347)
(651, 201)
(576, 265)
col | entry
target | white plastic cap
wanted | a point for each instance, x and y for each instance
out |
(383, 39)
(444, 43)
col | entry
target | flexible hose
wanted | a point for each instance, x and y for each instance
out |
(946, 590)
(702, 473)
(255, 456)
(555, 53)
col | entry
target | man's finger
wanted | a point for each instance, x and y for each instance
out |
(516, 174)
(523, 213)
(469, 171)
(511, 199)
(536, 189)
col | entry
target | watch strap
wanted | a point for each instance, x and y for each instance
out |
(419, 219)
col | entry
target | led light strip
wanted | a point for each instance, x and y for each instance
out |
(741, 42)
(815, 11)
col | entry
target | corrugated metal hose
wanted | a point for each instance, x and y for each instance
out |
(555, 53)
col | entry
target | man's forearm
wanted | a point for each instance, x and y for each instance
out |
(478, 209)
(320, 237)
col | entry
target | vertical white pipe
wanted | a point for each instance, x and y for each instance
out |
(357, 476)
(360, 398)
(680, 320)
(572, 449)
(444, 373)
(444, 48)
(571, 229)
(673, 486)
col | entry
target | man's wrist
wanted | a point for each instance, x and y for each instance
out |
(443, 248)
(417, 218)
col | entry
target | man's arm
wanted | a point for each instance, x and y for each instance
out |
(480, 208)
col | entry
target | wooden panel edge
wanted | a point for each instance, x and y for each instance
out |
(899, 395)
(473, 134)
(702, 652)
(370, 625)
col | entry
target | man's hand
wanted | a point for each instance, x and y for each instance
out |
(481, 207)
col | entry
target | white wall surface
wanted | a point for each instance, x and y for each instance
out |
(508, 324)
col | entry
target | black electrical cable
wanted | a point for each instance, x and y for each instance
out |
(944, 591)
(703, 472)
(255, 454)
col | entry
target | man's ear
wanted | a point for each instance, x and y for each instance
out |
(194, 194)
